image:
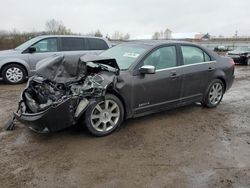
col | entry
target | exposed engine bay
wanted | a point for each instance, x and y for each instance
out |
(41, 94)
(62, 89)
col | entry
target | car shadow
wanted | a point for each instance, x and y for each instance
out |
(3, 83)
(80, 131)
(161, 115)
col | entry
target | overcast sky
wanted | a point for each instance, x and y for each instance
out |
(137, 17)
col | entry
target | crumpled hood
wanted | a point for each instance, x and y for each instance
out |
(63, 69)
(100, 59)
(59, 68)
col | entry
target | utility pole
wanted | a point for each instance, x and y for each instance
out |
(236, 34)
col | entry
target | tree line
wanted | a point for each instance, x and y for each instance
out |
(11, 39)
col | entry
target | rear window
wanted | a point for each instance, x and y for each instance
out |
(193, 55)
(72, 44)
(96, 44)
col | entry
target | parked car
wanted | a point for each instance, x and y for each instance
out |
(129, 80)
(19, 63)
(240, 55)
(220, 49)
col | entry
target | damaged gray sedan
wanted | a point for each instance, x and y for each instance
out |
(129, 80)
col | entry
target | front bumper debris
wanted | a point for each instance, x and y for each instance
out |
(53, 119)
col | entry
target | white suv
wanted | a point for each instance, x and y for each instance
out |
(19, 63)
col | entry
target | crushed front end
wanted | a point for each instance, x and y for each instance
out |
(57, 96)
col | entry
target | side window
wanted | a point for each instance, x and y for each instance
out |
(97, 44)
(162, 58)
(46, 45)
(207, 57)
(72, 44)
(192, 55)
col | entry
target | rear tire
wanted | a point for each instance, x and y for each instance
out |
(214, 94)
(104, 117)
(13, 74)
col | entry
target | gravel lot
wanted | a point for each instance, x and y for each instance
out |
(186, 147)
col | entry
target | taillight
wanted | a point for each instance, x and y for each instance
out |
(231, 62)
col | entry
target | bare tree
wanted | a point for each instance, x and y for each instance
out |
(117, 35)
(156, 35)
(126, 37)
(168, 34)
(98, 33)
(91, 34)
(56, 27)
(107, 36)
(52, 26)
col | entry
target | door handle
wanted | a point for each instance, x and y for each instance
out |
(174, 75)
(210, 68)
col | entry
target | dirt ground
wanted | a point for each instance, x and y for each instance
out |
(186, 147)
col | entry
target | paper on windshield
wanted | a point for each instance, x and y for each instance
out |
(131, 55)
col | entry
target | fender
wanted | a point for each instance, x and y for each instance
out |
(219, 74)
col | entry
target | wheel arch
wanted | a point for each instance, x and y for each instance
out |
(222, 77)
(15, 63)
(110, 90)
(224, 82)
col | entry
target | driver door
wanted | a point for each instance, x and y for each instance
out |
(44, 49)
(153, 92)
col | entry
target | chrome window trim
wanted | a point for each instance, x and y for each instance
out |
(185, 66)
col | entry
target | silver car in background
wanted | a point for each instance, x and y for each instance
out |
(19, 63)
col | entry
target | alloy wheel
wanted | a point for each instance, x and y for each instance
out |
(215, 93)
(14, 74)
(105, 115)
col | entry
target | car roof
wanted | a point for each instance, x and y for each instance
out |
(70, 36)
(152, 43)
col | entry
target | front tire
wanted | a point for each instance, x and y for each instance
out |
(13, 74)
(104, 117)
(214, 94)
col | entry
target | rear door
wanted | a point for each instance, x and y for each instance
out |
(197, 72)
(153, 92)
(79, 46)
(75, 46)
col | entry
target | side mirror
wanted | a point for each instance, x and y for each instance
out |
(32, 49)
(147, 69)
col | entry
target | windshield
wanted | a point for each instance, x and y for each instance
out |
(27, 44)
(125, 54)
(242, 49)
